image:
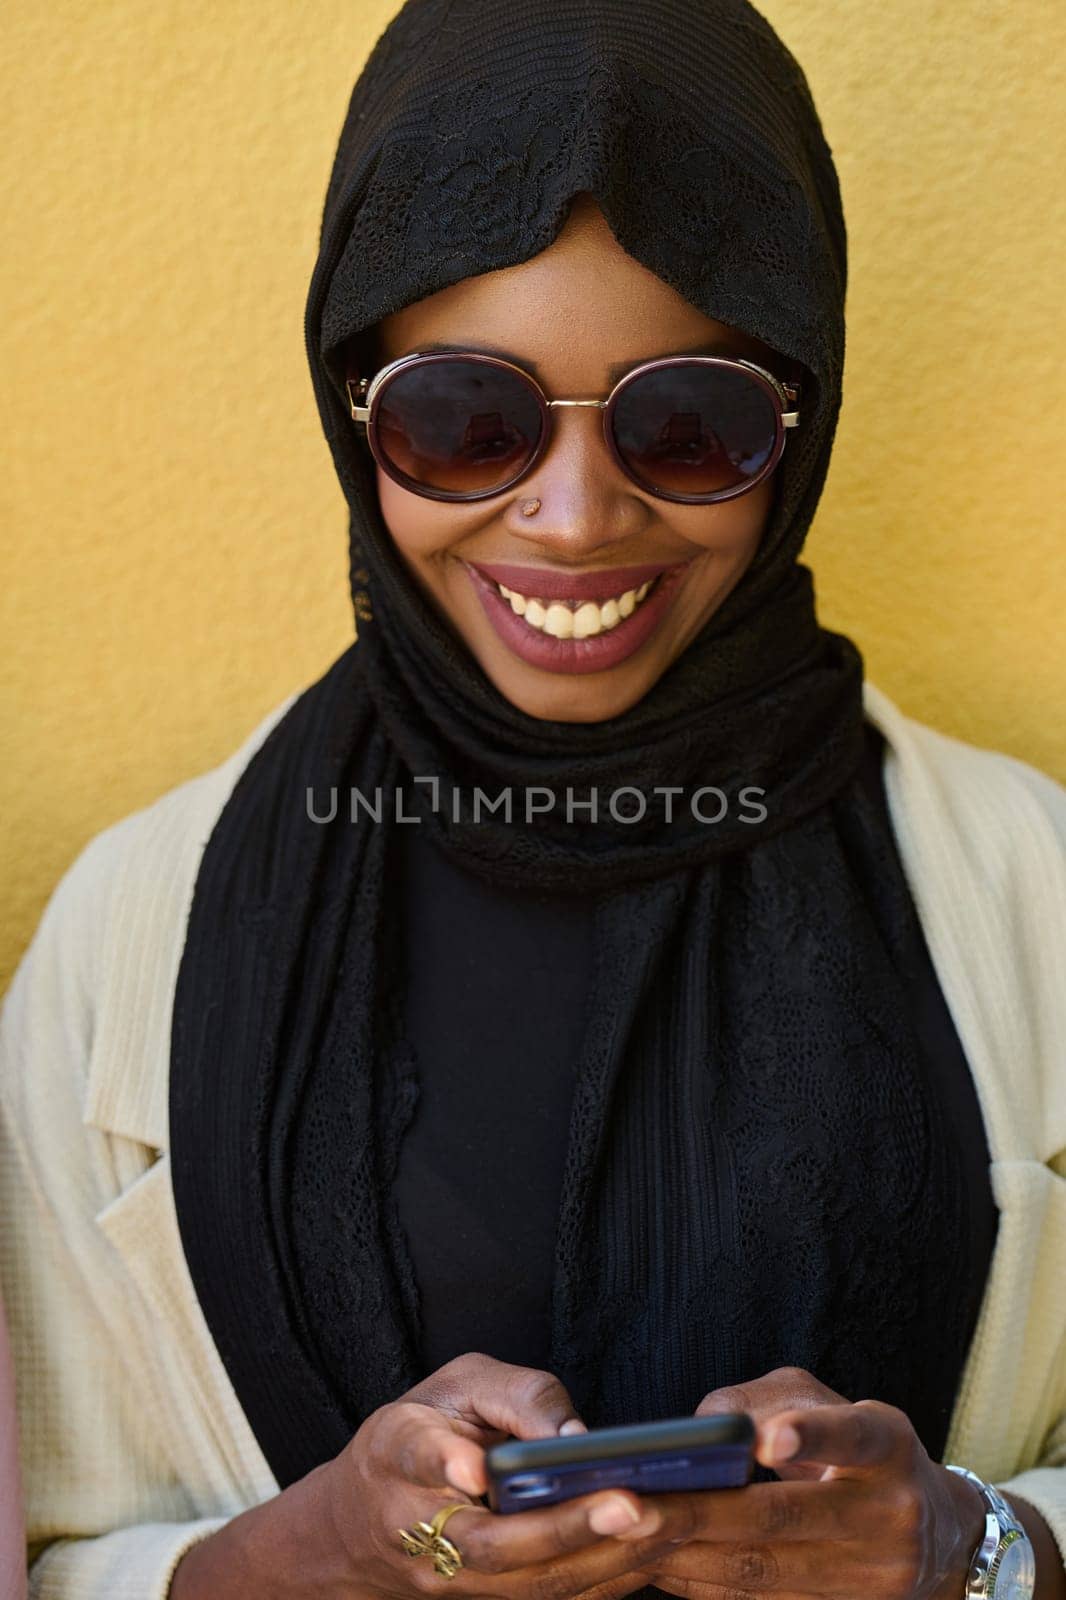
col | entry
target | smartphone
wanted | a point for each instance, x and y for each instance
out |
(715, 1452)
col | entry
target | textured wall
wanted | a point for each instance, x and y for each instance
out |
(174, 536)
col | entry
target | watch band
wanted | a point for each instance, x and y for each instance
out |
(1004, 1538)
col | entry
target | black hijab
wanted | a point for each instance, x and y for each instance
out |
(749, 1009)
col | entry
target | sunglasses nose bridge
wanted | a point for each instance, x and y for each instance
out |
(589, 511)
(606, 409)
(578, 405)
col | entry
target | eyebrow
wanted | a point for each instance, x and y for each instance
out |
(713, 347)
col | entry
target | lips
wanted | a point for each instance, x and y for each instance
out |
(594, 654)
(549, 583)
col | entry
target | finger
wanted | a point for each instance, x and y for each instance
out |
(596, 1565)
(615, 1588)
(855, 1440)
(689, 1589)
(424, 1446)
(807, 1569)
(695, 1591)
(785, 1388)
(494, 1543)
(523, 1402)
(768, 1513)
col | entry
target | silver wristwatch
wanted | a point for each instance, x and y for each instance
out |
(1003, 1565)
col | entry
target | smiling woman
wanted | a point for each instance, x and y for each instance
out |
(670, 1024)
(602, 531)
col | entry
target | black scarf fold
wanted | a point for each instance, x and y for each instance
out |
(472, 125)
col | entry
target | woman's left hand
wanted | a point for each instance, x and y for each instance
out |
(862, 1510)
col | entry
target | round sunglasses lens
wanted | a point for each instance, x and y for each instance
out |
(458, 426)
(695, 428)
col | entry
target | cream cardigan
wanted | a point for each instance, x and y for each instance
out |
(133, 1443)
(12, 1557)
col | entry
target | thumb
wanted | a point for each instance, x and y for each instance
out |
(482, 1394)
(763, 1398)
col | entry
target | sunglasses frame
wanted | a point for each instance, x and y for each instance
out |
(364, 395)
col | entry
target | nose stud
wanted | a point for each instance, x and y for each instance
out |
(530, 507)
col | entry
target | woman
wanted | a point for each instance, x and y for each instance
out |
(373, 1096)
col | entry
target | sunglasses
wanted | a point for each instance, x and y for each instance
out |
(697, 429)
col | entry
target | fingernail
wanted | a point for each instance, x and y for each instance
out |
(651, 1520)
(575, 1425)
(460, 1474)
(613, 1516)
(785, 1443)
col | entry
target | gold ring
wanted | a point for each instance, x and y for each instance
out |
(427, 1539)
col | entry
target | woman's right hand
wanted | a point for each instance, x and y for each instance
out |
(410, 1457)
(338, 1535)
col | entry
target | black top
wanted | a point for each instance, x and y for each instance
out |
(494, 1010)
(773, 1151)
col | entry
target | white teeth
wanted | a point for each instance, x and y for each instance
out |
(590, 619)
(575, 619)
(559, 622)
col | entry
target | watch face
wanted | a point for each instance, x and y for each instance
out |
(1016, 1571)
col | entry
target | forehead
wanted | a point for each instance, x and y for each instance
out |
(580, 311)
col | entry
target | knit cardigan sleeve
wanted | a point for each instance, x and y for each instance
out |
(12, 1564)
(1044, 1484)
(105, 1513)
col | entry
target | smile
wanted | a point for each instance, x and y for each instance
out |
(575, 619)
(575, 622)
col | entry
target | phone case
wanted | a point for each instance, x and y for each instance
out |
(649, 1457)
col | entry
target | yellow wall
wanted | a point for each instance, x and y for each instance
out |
(174, 536)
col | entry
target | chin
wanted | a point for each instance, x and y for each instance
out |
(571, 699)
